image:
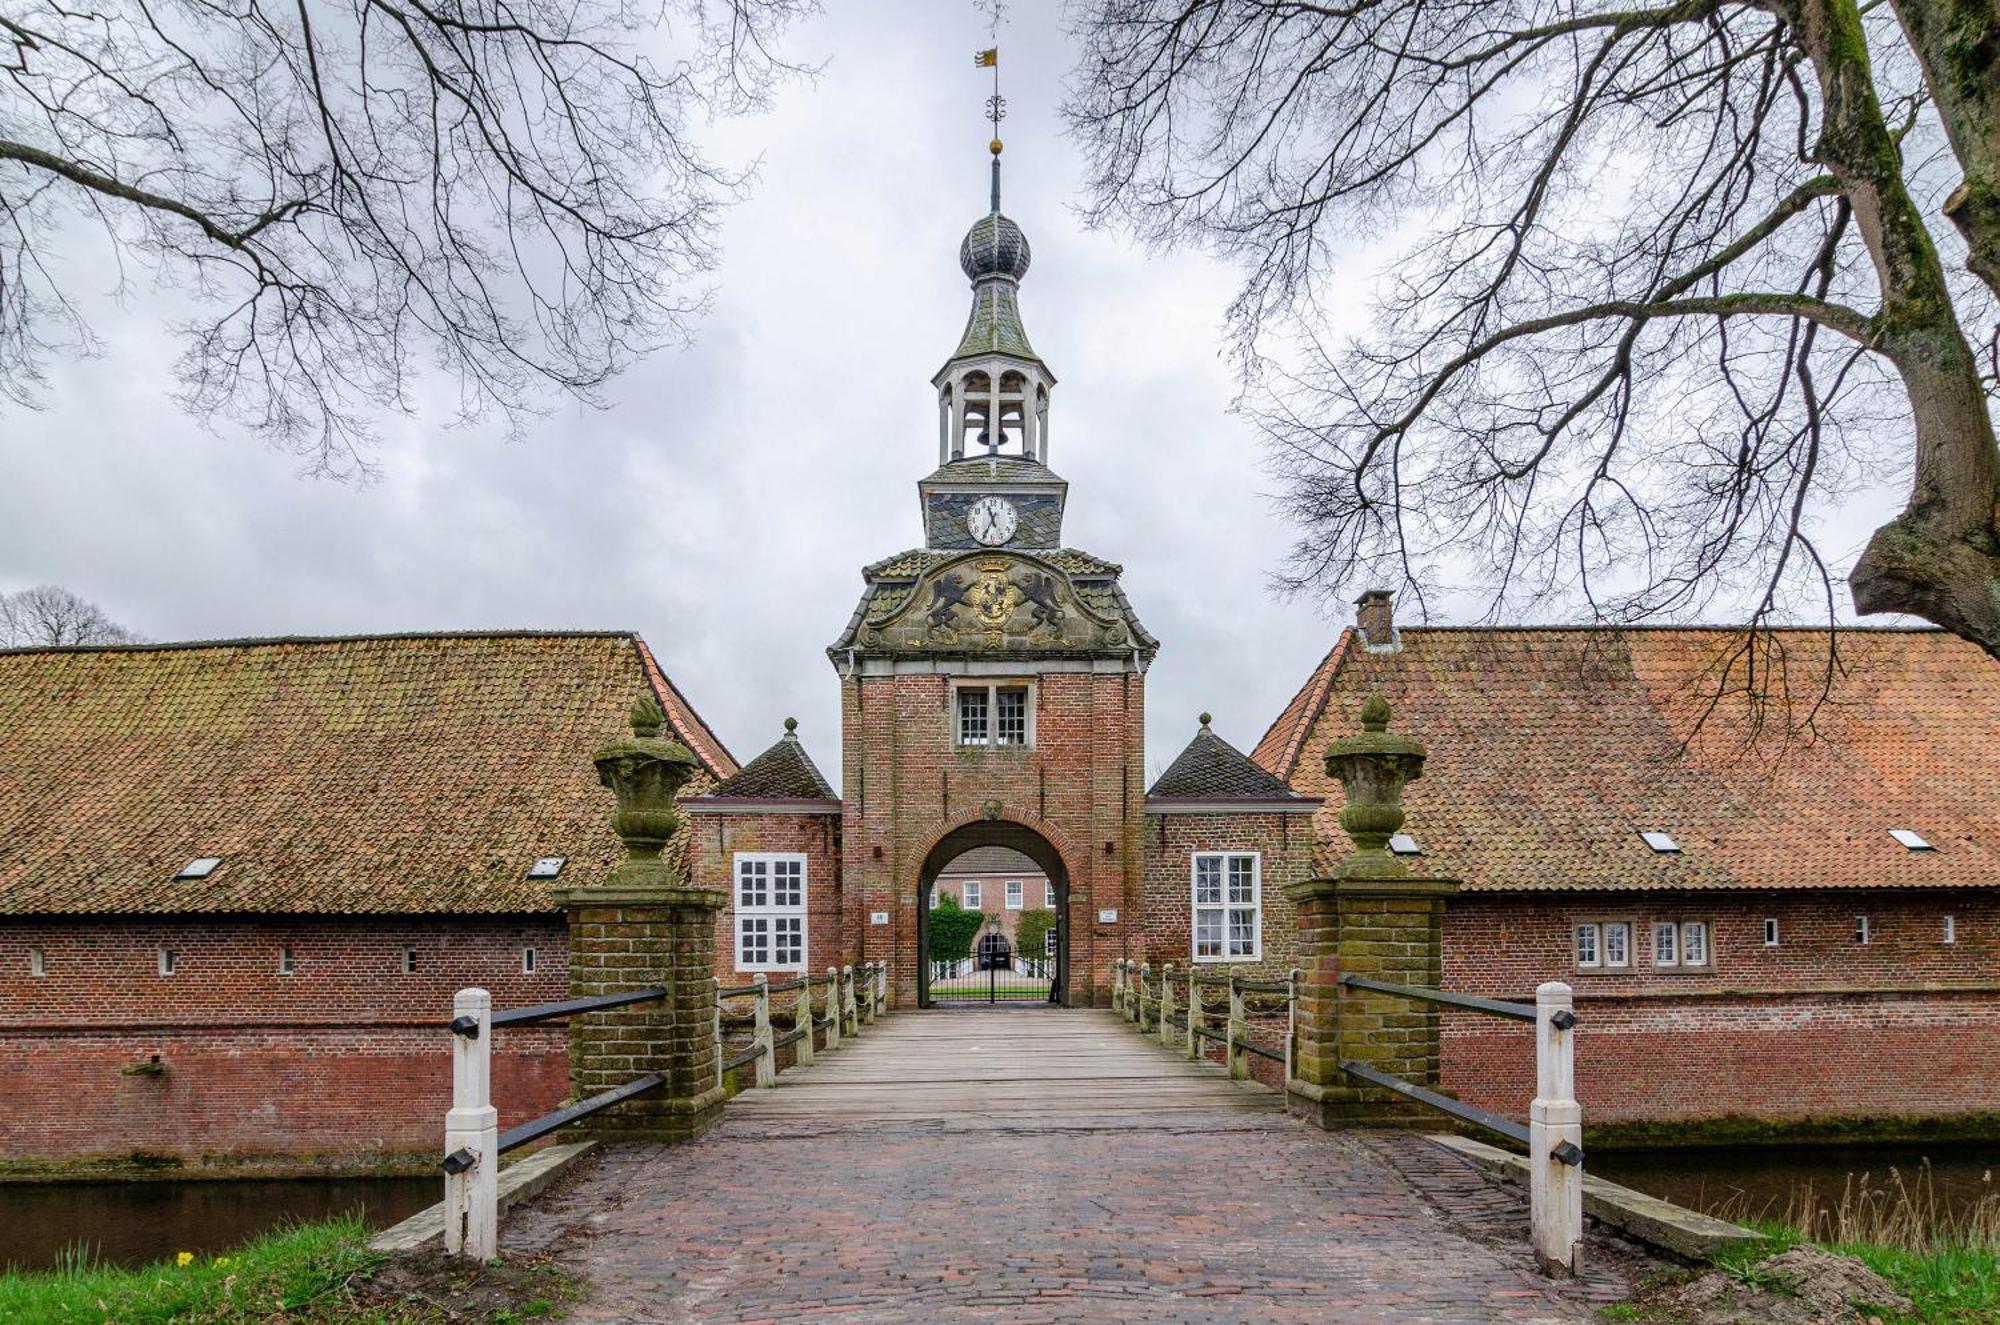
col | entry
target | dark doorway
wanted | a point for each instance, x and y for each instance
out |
(993, 920)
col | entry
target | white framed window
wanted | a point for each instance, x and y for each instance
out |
(409, 961)
(1049, 896)
(528, 961)
(1951, 929)
(770, 911)
(1666, 943)
(1770, 931)
(1695, 951)
(971, 894)
(1016, 894)
(1049, 942)
(1228, 911)
(288, 962)
(1864, 932)
(995, 714)
(938, 894)
(38, 965)
(168, 961)
(1588, 951)
(1617, 943)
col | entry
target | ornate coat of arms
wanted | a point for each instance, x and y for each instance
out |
(993, 597)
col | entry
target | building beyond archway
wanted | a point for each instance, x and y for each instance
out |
(1021, 841)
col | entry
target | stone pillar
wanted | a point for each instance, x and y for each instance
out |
(647, 924)
(1370, 918)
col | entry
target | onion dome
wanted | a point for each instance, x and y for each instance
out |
(994, 246)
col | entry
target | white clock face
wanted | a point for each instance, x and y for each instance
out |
(991, 520)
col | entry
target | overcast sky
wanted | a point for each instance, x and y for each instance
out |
(725, 503)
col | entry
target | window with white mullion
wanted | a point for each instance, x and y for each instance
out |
(770, 911)
(972, 715)
(995, 715)
(1228, 911)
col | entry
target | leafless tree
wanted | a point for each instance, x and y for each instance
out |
(1669, 281)
(344, 188)
(51, 614)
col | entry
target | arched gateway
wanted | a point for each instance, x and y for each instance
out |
(1033, 973)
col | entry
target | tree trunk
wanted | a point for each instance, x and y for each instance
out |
(1939, 559)
(1958, 44)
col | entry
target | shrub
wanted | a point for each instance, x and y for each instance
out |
(952, 929)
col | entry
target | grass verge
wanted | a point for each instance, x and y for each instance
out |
(313, 1274)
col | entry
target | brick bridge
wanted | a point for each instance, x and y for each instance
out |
(1029, 1165)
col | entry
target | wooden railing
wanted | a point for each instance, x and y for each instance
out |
(853, 997)
(1553, 1135)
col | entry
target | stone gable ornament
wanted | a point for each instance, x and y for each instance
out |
(645, 773)
(1373, 767)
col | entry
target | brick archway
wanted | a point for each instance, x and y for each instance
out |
(950, 842)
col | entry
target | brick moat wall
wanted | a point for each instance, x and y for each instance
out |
(341, 1064)
(1819, 1026)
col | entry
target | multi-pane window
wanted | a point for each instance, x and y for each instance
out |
(1666, 944)
(972, 894)
(1049, 896)
(993, 715)
(1863, 931)
(1694, 943)
(1227, 918)
(1016, 894)
(1604, 944)
(770, 911)
(1049, 942)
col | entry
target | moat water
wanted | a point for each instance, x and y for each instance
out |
(1764, 1183)
(133, 1223)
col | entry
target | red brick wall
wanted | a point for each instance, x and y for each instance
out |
(345, 1059)
(1285, 842)
(714, 842)
(1819, 1026)
(1080, 786)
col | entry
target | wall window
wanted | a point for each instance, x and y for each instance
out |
(288, 964)
(1603, 944)
(770, 911)
(1049, 896)
(1588, 950)
(1770, 931)
(972, 894)
(1016, 894)
(1048, 943)
(409, 961)
(1951, 929)
(1228, 919)
(1863, 931)
(1695, 953)
(995, 715)
(1666, 944)
(528, 958)
(38, 966)
(168, 961)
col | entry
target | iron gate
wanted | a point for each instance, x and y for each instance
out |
(995, 972)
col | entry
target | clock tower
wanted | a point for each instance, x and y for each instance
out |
(993, 678)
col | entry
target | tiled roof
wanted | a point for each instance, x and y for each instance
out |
(783, 772)
(992, 469)
(416, 773)
(993, 862)
(1210, 768)
(1550, 750)
(913, 563)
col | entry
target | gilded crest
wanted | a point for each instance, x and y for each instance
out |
(993, 597)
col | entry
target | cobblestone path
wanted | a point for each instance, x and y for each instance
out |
(1043, 1166)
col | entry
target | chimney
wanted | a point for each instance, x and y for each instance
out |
(1375, 617)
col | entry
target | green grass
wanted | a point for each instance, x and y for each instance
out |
(1950, 1281)
(312, 1274)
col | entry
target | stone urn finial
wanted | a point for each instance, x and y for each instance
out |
(1374, 767)
(645, 773)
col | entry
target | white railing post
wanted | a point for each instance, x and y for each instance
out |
(471, 1195)
(1239, 1033)
(760, 1035)
(1118, 987)
(847, 1003)
(715, 984)
(833, 1007)
(1291, 1022)
(881, 988)
(1166, 1002)
(867, 993)
(802, 1018)
(1555, 1136)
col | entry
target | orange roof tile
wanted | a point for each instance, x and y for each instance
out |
(1552, 749)
(414, 773)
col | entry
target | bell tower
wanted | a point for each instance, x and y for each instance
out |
(993, 678)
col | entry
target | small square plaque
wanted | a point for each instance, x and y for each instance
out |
(878, 917)
(1108, 916)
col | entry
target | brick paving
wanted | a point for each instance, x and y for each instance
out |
(840, 1200)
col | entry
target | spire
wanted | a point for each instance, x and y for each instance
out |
(994, 388)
